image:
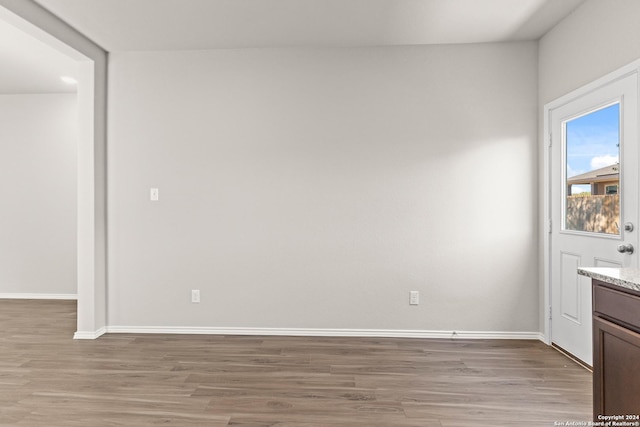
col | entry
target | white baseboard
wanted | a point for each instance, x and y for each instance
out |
(38, 296)
(83, 335)
(304, 332)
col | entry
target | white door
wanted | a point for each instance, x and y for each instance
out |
(593, 202)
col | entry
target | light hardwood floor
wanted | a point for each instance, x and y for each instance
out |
(49, 379)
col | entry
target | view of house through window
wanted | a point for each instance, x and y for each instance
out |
(592, 144)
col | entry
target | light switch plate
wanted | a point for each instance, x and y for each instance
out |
(154, 194)
(414, 297)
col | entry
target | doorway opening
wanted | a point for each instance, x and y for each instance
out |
(91, 179)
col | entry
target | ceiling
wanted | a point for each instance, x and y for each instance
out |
(30, 66)
(123, 25)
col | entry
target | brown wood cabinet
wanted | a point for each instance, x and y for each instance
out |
(616, 350)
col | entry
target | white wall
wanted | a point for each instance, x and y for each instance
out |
(38, 150)
(597, 38)
(315, 188)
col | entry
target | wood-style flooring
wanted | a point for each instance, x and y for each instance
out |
(49, 379)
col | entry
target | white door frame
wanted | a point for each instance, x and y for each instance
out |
(630, 69)
(91, 189)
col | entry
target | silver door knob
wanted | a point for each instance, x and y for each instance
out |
(628, 226)
(625, 249)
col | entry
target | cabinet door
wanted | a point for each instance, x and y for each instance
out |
(616, 369)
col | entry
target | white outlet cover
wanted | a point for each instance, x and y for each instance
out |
(195, 296)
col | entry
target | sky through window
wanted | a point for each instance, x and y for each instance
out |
(592, 142)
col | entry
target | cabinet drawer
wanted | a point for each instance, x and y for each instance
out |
(617, 305)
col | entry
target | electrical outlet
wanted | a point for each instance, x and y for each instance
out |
(195, 296)
(414, 298)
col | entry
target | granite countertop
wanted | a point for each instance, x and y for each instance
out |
(625, 277)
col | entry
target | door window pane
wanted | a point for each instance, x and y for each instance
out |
(592, 179)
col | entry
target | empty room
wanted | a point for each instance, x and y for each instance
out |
(319, 213)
